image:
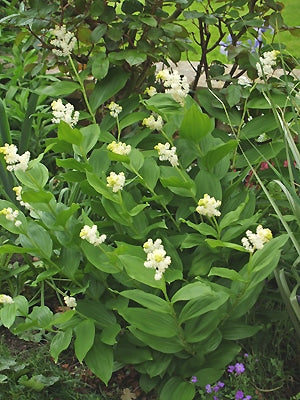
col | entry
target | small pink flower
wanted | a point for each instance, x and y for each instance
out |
(264, 165)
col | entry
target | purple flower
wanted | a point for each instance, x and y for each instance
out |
(239, 368)
(208, 389)
(220, 384)
(216, 398)
(246, 355)
(216, 388)
(248, 397)
(194, 379)
(239, 395)
(231, 369)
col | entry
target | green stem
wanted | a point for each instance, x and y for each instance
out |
(82, 90)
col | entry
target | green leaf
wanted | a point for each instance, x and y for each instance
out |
(202, 305)
(37, 196)
(128, 354)
(234, 93)
(109, 333)
(34, 177)
(100, 360)
(100, 187)
(8, 314)
(134, 57)
(232, 330)
(191, 291)
(97, 34)
(226, 273)
(58, 89)
(233, 216)
(275, 100)
(207, 182)
(11, 249)
(177, 389)
(212, 157)
(38, 238)
(107, 262)
(260, 125)
(96, 311)
(69, 134)
(90, 136)
(60, 342)
(164, 345)
(85, 334)
(114, 81)
(219, 243)
(151, 322)
(203, 228)
(37, 382)
(147, 300)
(195, 124)
(136, 159)
(100, 64)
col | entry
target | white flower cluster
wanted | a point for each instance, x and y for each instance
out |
(5, 299)
(70, 301)
(11, 215)
(266, 63)
(175, 84)
(115, 109)
(152, 123)
(64, 113)
(91, 234)
(156, 257)
(18, 191)
(116, 181)
(119, 148)
(244, 81)
(13, 160)
(167, 154)
(207, 206)
(65, 41)
(150, 91)
(256, 241)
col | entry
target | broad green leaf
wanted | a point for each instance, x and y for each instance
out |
(100, 360)
(132, 119)
(85, 334)
(60, 342)
(114, 81)
(208, 183)
(106, 262)
(192, 291)
(234, 93)
(232, 330)
(203, 228)
(136, 159)
(177, 389)
(159, 365)
(100, 187)
(260, 125)
(276, 100)
(34, 177)
(42, 316)
(198, 329)
(58, 89)
(219, 243)
(202, 305)
(195, 124)
(109, 333)
(96, 311)
(100, 63)
(212, 157)
(151, 322)
(169, 345)
(134, 56)
(22, 305)
(134, 267)
(226, 273)
(129, 354)
(11, 249)
(8, 314)
(37, 382)
(232, 216)
(147, 300)
(37, 196)
(90, 135)
(69, 134)
(38, 238)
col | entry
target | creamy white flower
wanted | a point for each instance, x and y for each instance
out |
(70, 301)
(115, 109)
(266, 63)
(149, 246)
(244, 81)
(256, 241)
(11, 215)
(119, 148)
(167, 154)
(156, 257)
(91, 234)
(150, 91)
(18, 191)
(175, 84)
(64, 113)
(5, 299)
(116, 181)
(64, 41)
(152, 123)
(207, 206)
(13, 160)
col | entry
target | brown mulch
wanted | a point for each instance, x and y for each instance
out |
(126, 377)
